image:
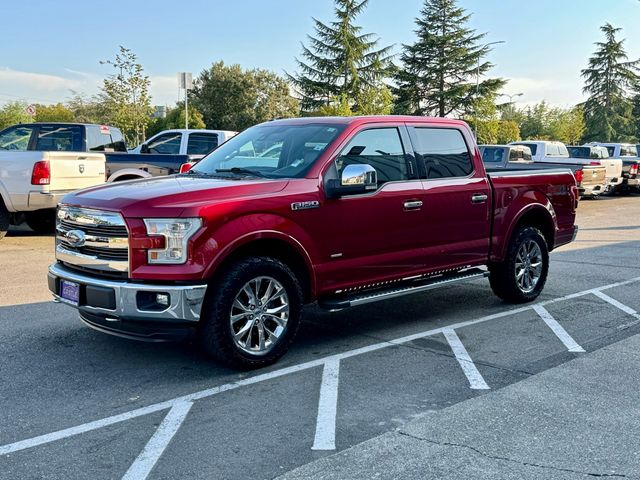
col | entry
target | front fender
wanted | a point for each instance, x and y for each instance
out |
(260, 226)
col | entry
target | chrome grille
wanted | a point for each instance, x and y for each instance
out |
(92, 239)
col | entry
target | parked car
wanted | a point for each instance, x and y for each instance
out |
(628, 153)
(591, 179)
(184, 142)
(41, 162)
(596, 155)
(355, 210)
(545, 151)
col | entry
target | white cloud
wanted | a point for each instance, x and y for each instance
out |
(558, 93)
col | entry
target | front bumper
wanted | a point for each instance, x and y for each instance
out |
(122, 307)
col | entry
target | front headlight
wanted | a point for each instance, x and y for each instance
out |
(176, 232)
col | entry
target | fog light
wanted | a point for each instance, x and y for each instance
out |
(162, 299)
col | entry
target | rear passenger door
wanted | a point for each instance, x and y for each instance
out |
(457, 198)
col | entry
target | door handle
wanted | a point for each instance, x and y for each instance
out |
(479, 198)
(412, 204)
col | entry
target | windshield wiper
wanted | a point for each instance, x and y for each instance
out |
(240, 170)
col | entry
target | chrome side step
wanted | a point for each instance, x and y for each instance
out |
(341, 302)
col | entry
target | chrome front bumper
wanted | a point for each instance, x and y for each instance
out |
(120, 300)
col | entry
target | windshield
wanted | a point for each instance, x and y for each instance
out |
(272, 151)
(492, 154)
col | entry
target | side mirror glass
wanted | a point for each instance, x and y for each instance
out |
(355, 179)
(144, 148)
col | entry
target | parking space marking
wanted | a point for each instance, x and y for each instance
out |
(558, 329)
(325, 438)
(616, 303)
(476, 382)
(167, 404)
(142, 466)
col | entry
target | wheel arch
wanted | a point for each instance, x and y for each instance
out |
(275, 245)
(128, 174)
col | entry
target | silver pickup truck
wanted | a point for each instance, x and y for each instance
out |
(40, 163)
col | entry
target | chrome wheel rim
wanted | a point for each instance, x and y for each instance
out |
(259, 315)
(528, 266)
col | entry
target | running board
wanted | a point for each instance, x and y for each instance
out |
(335, 304)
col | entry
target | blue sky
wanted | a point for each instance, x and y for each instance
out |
(52, 47)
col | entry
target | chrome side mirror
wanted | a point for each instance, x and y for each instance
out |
(361, 175)
(355, 179)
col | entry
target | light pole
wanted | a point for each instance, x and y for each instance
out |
(478, 79)
(511, 97)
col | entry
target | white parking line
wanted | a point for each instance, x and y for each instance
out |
(97, 424)
(142, 466)
(556, 328)
(616, 303)
(476, 381)
(325, 438)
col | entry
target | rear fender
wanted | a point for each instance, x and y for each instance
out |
(533, 207)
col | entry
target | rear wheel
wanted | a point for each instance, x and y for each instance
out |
(4, 219)
(252, 313)
(41, 221)
(523, 273)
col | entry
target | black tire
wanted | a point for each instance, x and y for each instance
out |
(217, 333)
(5, 219)
(41, 221)
(503, 277)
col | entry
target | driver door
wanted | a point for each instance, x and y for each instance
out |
(374, 236)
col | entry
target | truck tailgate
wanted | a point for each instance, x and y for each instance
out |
(75, 170)
(593, 175)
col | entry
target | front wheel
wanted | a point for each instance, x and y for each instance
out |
(41, 221)
(523, 273)
(252, 313)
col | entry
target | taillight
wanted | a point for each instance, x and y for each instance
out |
(579, 174)
(41, 173)
(634, 169)
(595, 163)
(185, 167)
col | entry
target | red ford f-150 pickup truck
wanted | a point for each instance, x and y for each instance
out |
(339, 211)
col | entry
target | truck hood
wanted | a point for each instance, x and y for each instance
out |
(173, 196)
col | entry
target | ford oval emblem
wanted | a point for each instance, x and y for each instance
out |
(75, 238)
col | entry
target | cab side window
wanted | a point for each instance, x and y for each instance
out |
(169, 144)
(443, 152)
(201, 143)
(382, 149)
(16, 138)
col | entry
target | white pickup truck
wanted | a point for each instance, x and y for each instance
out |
(196, 143)
(42, 162)
(557, 153)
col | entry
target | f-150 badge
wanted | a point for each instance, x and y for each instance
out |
(305, 205)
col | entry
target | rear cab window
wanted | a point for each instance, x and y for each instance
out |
(101, 138)
(59, 138)
(16, 138)
(492, 154)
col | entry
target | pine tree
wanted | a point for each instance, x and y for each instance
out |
(608, 79)
(340, 60)
(438, 72)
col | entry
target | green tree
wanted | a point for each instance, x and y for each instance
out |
(14, 112)
(535, 122)
(87, 109)
(608, 79)
(369, 101)
(54, 113)
(484, 120)
(568, 126)
(438, 72)
(175, 119)
(340, 61)
(232, 99)
(125, 95)
(508, 131)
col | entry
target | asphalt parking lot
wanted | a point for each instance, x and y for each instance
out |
(75, 403)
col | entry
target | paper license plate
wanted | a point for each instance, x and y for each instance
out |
(70, 292)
